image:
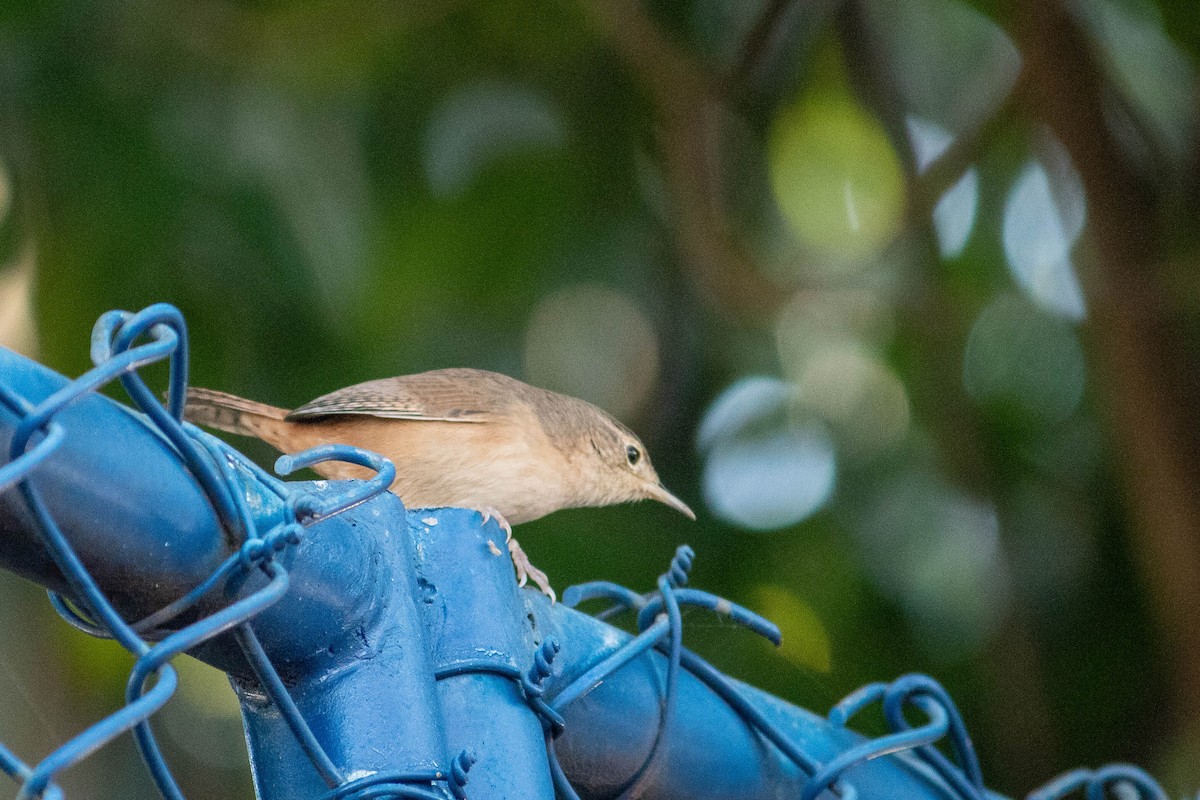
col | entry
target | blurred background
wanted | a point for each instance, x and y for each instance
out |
(902, 296)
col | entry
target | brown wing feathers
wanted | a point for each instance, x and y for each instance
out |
(228, 412)
(440, 395)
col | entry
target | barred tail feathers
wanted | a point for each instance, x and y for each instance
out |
(233, 414)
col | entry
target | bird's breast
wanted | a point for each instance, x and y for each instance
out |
(502, 465)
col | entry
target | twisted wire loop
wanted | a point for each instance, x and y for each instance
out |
(1112, 782)
(121, 344)
(1102, 784)
(943, 720)
(660, 627)
(534, 686)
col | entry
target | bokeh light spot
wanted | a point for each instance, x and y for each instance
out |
(937, 551)
(1020, 356)
(482, 123)
(863, 401)
(817, 319)
(757, 401)
(928, 140)
(17, 328)
(836, 178)
(1043, 217)
(805, 640)
(770, 483)
(954, 214)
(762, 471)
(947, 61)
(594, 343)
(1154, 78)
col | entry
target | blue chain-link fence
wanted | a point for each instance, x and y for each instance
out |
(379, 653)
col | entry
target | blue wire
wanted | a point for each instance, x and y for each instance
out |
(20, 468)
(349, 790)
(875, 748)
(398, 791)
(675, 633)
(278, 693)
(695, 597)
(622, 656)
(1094, 783)
(211, 626)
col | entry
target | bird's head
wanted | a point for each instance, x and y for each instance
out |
(625, 466)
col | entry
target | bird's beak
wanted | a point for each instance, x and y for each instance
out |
(659, 492)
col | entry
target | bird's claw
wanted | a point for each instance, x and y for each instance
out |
(524, 567)
(527, 571)
(490, 514)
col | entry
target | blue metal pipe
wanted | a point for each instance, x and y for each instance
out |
(713, 753)
(93, 487)
(403, 641)
(148, 534)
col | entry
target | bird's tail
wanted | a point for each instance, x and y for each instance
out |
(233, 414)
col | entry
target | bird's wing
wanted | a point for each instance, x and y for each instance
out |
(448, 395)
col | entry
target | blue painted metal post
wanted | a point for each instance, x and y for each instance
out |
(482, 641)
(368, 694)
(347, 635)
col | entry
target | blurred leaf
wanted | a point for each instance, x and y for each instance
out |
(1149, 70)
(951, 64)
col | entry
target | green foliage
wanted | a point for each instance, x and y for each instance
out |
(861, 203)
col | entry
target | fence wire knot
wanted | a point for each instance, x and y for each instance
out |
(943, 719)
(534, 687)
(458, 773)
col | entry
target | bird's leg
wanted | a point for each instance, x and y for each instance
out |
(525, 568)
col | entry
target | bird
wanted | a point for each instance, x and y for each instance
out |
(462, 437)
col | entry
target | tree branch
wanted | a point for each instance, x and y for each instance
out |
(756, 47)
(689, 110)
(1135, 351)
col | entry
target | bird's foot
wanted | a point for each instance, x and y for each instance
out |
(525, 568)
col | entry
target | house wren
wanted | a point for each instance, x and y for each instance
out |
(462, 437)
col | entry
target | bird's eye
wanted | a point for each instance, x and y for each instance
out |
(633, 454)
